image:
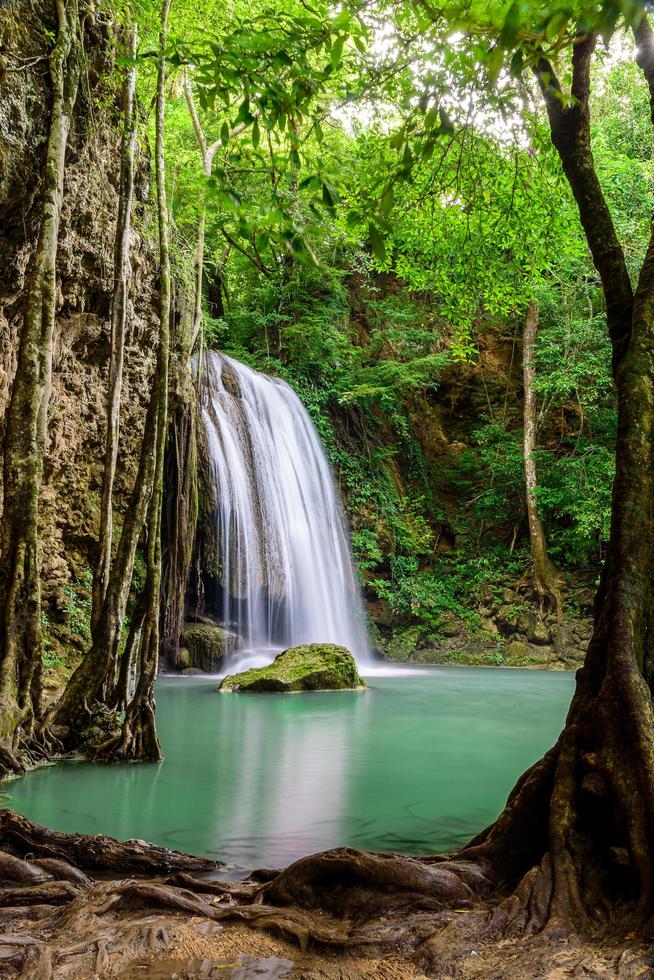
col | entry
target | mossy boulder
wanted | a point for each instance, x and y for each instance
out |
(311, 667)
(205, 646)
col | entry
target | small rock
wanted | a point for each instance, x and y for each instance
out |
(506, 620)
(449, 627)
(518, 651)
(539, 634)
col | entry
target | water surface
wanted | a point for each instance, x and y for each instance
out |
(421, 761)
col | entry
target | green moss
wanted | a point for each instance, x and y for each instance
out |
(205, 645)
(311, 667)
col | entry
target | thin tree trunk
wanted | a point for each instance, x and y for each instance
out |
(138, 739)
(545, 578)
(20, 607)
(93, 679)
(179, 522)
(207, 153)
(127, 661)
(118, 324)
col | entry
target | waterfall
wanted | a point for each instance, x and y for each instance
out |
(283, 558)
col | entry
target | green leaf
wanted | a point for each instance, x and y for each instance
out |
(495, 62)
(244, 114)
(512, 24)
(447, 125)
(328, 197)
(377, 242)
(387, 200)
(432, 117)
(224, 134)
(337, 51)
(256, 134)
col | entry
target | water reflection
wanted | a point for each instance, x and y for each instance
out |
(417, 762)
(294, 775)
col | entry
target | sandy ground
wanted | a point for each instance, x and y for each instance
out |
(201, 950)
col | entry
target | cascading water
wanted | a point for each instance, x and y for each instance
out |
(283, 563)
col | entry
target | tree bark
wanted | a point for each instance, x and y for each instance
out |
(580, 824)
(20, 607)
(93, 679)
(179, 521)
(545, 578)
(138, 739)
(118, 324)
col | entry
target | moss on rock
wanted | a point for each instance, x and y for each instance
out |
(311, 667)
(205, 646)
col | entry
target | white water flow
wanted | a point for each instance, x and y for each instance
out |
(283, 555)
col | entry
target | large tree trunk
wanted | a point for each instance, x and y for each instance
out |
(545, 578)
(118, 324)
(580, 825)
(20, 606)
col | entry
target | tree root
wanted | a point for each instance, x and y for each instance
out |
(10, 764)
(137, 741)
(59, 924)
(20, 835)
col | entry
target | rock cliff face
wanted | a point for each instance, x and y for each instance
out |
(73, 466)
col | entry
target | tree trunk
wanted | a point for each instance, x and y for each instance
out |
(93, 679)
(26, 427)
(180, 514)
(580, 824)
(118, 324)
(545, 578)
(138, 739)
(585, 813)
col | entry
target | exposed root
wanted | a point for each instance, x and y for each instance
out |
(10, 764)
(435, 913)
(19, 835)
(137, 741)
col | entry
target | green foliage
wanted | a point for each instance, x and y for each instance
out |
(378, 216)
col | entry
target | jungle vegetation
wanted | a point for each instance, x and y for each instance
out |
(470, 167)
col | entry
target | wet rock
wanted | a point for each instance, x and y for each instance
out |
(506, 620)
(533, 628)
(539, 634)
(449, 627)
(311, 667)
(206, 646)
(564, 644)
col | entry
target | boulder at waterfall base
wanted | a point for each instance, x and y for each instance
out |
(310, 667)
(204, 646)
